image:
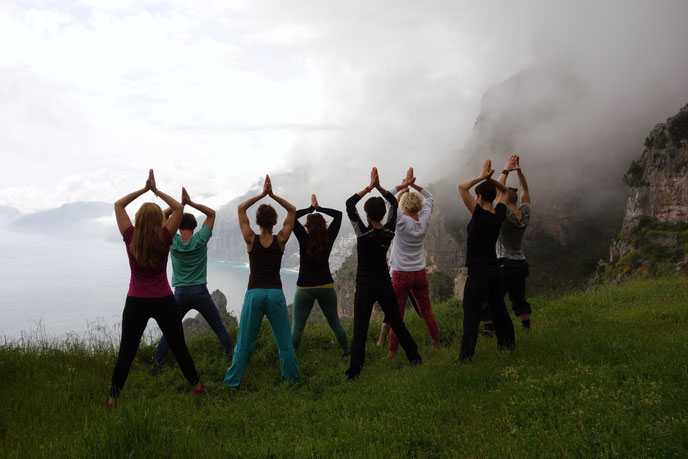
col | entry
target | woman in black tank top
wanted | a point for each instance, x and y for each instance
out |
(264, 296)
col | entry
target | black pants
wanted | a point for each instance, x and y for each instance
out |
(367, 293)
(479, 288)
(512, 274)
(136, 313)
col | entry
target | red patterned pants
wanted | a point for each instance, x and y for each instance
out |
(415, 282)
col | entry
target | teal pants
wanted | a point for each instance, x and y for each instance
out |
(327, 300)
(259, 302)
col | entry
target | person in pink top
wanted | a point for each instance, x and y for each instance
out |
(150, 296)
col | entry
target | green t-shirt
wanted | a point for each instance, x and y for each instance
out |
(190, 260)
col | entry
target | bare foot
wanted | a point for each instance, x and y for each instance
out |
(111, 403)
(390, 354)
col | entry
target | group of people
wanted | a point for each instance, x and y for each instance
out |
(494, 229)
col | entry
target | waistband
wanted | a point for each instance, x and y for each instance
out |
(330, 285)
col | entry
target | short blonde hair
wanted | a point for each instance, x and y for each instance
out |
(411, 202)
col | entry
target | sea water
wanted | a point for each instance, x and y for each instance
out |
(55, 284)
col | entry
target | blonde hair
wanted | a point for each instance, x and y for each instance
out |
(147, 245)
(411, 202)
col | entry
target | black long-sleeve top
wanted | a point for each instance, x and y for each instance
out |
(372, 243)
(314, 272)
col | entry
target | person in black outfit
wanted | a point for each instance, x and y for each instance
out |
(372, 275)
(483, 282)
(315, 281)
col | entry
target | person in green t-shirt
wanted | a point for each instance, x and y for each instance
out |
(189, 268)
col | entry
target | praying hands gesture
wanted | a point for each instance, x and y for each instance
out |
(123, 220)
(464, 188)
(374, 183)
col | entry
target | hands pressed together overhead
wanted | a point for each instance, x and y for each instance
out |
(150, 182)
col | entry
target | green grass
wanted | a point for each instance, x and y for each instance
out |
(601, 373)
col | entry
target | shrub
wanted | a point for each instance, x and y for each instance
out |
(634, 176)
(441, 287)
(678, 128)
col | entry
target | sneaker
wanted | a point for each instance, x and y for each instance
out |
(350, 376)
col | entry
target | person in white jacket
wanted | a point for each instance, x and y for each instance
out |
(409, 276)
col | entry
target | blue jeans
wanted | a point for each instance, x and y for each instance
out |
(197, 297)
(260, 302)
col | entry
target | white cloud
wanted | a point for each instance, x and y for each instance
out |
(213, 94)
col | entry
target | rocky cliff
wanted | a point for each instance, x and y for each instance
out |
(196, 325)
(654, 233)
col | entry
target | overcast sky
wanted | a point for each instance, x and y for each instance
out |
(212, 94)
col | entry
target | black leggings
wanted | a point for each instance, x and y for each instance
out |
(367, 293)
(479, 288)
(136, 313)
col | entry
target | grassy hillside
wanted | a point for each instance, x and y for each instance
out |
(601, 373)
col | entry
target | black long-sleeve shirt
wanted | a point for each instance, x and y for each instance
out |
(372, 243)
(313, 272)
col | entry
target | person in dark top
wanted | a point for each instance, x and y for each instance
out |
(373, 282)
(513, 267)
(483, 281)
(150, 296)
(264, 296)
(315, 280)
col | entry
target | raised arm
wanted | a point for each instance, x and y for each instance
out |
(509, 165)
(299, 230)
(522, 183)
(288, 225)
(428, 204)
(351, 210)
(465, 187)
(408, 181)
(391, 222)
(209, 213)
(167, 213)
(123, 221)
(244, 223)
(502, 191)
(175, 218)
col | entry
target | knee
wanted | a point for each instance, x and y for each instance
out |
(241, 356)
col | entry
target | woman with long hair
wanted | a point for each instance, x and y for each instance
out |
(264, 296)
(148, 243)
(315, 279)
